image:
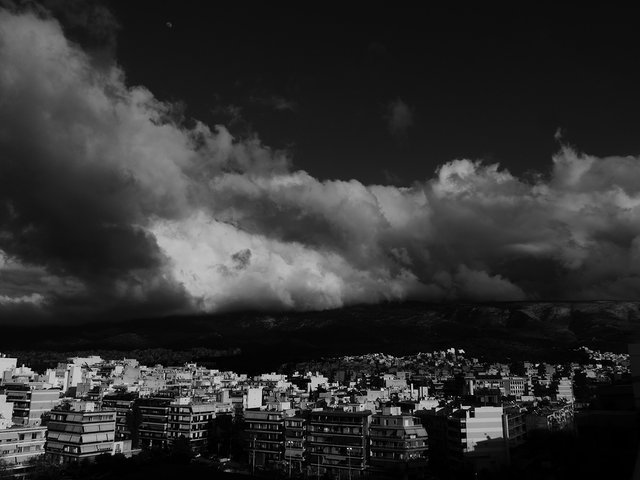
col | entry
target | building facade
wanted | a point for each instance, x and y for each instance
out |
(30, 402)
(194, 421)
(337, 442)
(153, 430)
(265, 433)
(398, 445)
(18, 445)
(123, 405)
(295, 431)
(79, 433)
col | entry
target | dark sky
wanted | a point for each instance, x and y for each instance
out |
(158, 157)
(482, 83)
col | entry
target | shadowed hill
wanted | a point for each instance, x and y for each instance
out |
(494, 330)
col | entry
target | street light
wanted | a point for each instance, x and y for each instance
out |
(253, 461)
(349, 450)
(288, 446)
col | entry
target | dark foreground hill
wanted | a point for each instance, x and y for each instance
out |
(494, 330)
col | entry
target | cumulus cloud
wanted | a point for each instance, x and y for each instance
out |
(111, 204)
(399, 119)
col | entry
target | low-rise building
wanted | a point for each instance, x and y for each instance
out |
(552, 417)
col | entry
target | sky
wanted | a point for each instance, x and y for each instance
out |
(159, 159)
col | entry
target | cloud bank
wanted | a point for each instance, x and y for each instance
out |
(112, 203)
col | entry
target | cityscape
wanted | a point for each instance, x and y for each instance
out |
(441, 414)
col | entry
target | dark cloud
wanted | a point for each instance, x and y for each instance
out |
(112, 204)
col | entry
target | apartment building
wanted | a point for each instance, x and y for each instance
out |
(30, 402)
(123, 405)
(153, 430)
(18, 445)
(194, 421)
(476, 436)
(295, 431)
(337, 442)
(80, 431)
(398, 445)
(265, 430)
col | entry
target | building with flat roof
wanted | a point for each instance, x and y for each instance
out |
(265, 432)
(153, 431)
(295, 431)
(123, 405)
(337, 442)
(80, 432)
(31, 402)
(476, 437)
(7, 364)
(194, 421)
(18, 445)
(398, 445)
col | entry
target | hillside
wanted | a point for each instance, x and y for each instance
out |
(494, 330)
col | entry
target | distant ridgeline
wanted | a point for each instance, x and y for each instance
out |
(531, 330)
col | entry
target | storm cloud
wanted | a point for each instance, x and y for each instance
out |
(112, 202)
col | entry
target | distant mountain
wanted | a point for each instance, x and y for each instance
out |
(493, 330)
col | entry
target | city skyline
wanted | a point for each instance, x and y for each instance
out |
(159, 161)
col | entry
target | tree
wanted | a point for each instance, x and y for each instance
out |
(4, 469)
(43, 468)
(181, 451)
(517, 369)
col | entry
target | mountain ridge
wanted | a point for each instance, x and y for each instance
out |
(511, 329)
